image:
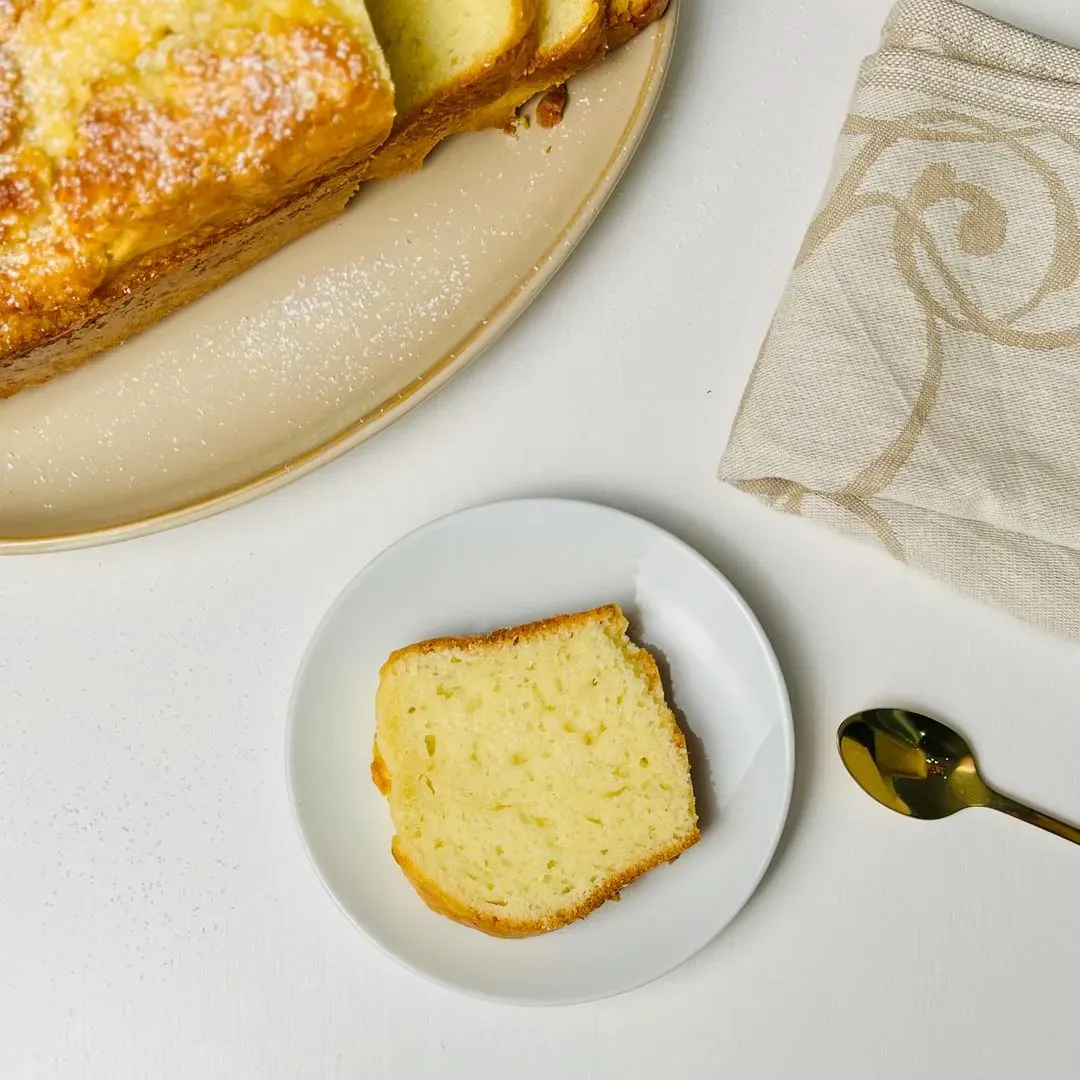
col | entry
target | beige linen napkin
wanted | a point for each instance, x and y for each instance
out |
(920, 384)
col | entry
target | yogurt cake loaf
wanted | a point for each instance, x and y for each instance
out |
(151, 149)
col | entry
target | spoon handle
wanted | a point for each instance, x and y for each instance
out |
(1034, 817)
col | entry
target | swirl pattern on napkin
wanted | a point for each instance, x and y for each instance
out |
(920, 384)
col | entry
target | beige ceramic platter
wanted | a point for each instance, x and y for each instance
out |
(327, 342)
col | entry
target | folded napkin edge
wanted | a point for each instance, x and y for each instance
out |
(955, 29)
(766, 488)
(1024, 97)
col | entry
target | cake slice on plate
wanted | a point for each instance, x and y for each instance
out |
(531, 774)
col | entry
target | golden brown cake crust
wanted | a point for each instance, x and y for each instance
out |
(164, 281)
(380, 774)
(511, 635)
(160, 162)
(442, 902)
(629, 18)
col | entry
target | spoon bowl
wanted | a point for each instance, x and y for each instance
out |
(911, 763)
(922, 768)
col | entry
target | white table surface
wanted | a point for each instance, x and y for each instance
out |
(158, 917)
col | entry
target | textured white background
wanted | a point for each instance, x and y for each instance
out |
(158, 917)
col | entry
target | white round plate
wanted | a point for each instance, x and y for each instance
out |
(502, 565)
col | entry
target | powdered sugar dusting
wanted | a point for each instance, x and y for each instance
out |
(127, 127)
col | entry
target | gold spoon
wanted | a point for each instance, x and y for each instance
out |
(921, 768)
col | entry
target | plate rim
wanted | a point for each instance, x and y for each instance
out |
(786, 719)
(484, 333)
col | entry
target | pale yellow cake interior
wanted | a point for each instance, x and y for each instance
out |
(430, 44)
(562, 21)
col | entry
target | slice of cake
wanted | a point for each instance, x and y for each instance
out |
(573, 35)
(531, 774)
(447, 60)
